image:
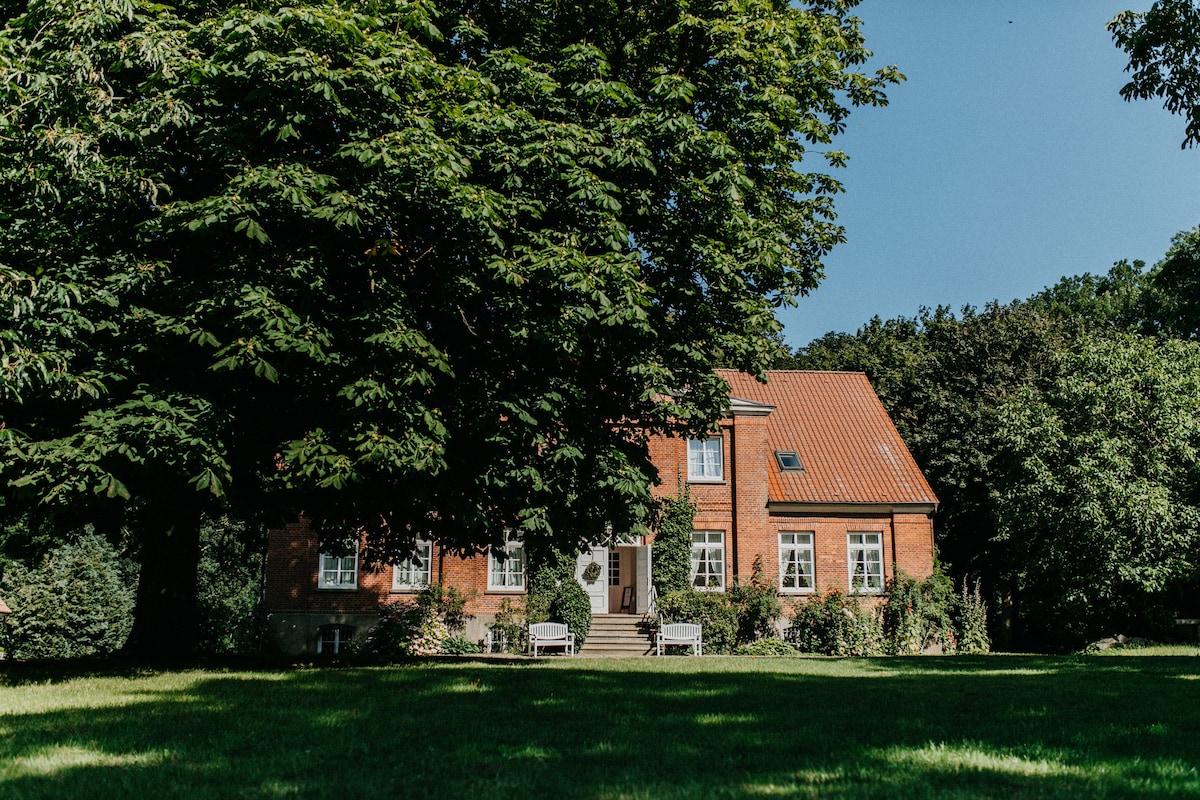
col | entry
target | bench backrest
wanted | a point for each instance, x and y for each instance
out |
(681, 630)
(548, 630)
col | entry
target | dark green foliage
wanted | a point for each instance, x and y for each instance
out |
(835, 624)
(711, 610)
(918, 615)
(1163, 45)
(231, 575)
(78, 602)
(765, 647)
(757, 605)
(1100, 494)
(398, 264)
(671, 554)
(1175, 291)
(554, 594)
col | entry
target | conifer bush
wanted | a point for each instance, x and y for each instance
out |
(77, 603)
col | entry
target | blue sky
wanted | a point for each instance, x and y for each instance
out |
(1007, 160)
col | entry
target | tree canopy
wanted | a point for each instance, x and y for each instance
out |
(408, 267)
(1163, 45)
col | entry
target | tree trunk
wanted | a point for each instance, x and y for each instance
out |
(166, 618)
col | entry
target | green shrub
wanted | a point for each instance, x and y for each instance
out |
(835, 624)
(757, 606)
(671, 550)
(406, 629)
(77, 603)
(916, 615)
(971, 620)
(448, 604)
(554, 594)
(458, 646)
(713, 611)
(511, 626)
(765, 647)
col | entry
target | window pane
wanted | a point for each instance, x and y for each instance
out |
(704, 459)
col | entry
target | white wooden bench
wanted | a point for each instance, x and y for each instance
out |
(686, 634)
(550, 634)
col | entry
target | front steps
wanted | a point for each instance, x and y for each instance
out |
(618, 635)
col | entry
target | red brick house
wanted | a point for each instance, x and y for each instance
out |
(807, 474)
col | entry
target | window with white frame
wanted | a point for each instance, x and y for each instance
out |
(708, 560)
(338, 571)
(865, 557)
(332, 638)
(415, 572)
(506, 567)
(796, 561)
(614, 568)
(704, 459)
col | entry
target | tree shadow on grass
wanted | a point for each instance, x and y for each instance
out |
(1000, 727)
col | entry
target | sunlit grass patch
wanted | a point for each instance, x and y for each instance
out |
(1152, 650)
(49, 760)
(973, 757)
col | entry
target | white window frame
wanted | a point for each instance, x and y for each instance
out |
(507, 574)
(614, 567)
(708, 553)
(796, 548)
(414, 574)
(706, 459)
(341, 636)
(339, 568)
(868, 572)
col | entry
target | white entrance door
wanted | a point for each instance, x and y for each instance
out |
(597, 590)
(643, 584)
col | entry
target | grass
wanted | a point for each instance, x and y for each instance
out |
(1002, 726)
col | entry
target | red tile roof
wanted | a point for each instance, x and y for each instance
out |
(4, 609)
(850, 449)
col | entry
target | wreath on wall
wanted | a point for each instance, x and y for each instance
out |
(591, 572)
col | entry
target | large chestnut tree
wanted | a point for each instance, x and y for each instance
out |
(410, 267)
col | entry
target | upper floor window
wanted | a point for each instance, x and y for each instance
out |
(506, 567)
(338, 572)
(416, 572)
(704, 459)
(865, 557)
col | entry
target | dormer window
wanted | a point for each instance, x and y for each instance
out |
(789, 461)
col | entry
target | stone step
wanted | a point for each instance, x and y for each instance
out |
(625, 647)
(594, 638)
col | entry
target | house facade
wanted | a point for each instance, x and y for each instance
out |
(807, 477)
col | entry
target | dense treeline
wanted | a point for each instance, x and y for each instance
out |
(1060, 433)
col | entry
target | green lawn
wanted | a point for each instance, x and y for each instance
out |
(1002, 726)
